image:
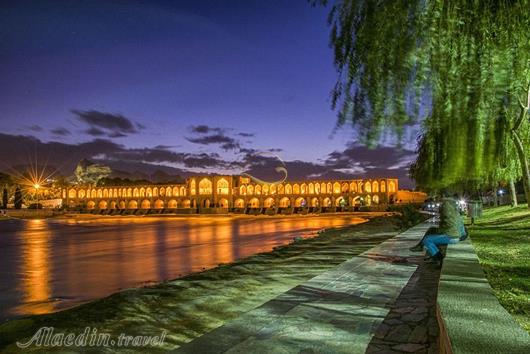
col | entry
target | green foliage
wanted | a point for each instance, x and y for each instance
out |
(466, 63)
(18, 198)
(88, 172)
(409, 215)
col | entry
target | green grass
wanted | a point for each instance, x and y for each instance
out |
(502, 242)
(191, 306)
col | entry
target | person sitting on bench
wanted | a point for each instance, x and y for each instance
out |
(451, 230)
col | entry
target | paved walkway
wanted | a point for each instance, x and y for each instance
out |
(356, 306)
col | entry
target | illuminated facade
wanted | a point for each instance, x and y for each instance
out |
(212, 194)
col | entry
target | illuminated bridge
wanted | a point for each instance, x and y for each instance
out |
(219, 194)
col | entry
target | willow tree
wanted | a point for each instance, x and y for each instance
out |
(463, 62)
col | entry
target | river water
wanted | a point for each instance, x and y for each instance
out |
(48, 265)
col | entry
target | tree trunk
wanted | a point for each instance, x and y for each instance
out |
(513, 192)
(495, 197)
(519, 147)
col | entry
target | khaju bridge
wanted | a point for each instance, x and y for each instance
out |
(218, 194)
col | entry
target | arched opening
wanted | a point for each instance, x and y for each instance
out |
(375, 199)
(113, 205)
(285, 202)
(186, 203)
(254, 203)
(383, 187)
(102, 204)
(149, 192)
(72, 193)
(91, 204)
(250, 189)
(105, 193)
(257, 190)
(288, 189)
(375, 187)
(326, 202)
(356, 201)
(205, 186)
(146, 204)
(206, 203)
(296, 188)
(159, 204)
(122, 204)
(391, 187)
(368, 200)
(93, 193)
(345, 188)
(314, 202)
(168, 191)
(281, 189)
(329, 188)
(142, 192)
(175, 191)
(340, 202)
(323, 188)
(100, 193)
(317, 188)
(223, 203)
(311, 188)
(133, 204)
(353, 187)
(243, 190)
(303, 188)
(272, 189)
(182, 191)
(155, 192)
(300, 202)
(172, 204)
(162, 192)
(81, 193)
(265, 189)
(367, 187)
(136, 192)
(268, 203)
(222, 186)
(336, 188)
(239, 203)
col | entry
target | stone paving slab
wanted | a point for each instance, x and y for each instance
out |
(335, 312)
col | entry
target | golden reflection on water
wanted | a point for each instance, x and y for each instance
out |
(67, 262)
(36, 268)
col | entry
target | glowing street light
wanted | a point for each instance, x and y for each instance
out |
(37, 186)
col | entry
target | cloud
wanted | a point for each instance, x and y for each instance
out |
(112, 125)
(35, 128)
(206, 135)
(60, 131)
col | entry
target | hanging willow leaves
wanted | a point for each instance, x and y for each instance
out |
(465, 63)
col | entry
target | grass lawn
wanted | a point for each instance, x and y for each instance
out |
(502, 241)
(191, 306)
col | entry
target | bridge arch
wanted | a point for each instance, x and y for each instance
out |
(326, 202)
(102, 204)
(122, 205)
(239, 203)
(296, 188)
(300, 202)
(288, 189)
(91, 204)
(268, 203)
(159, 204)
(254, 203)
(172, 204)
(285, 202)
(146, 204)
(340, 202)
(133, 204)
(314, 202)
(223, 203)
(257, 189)
(223, 187)
(186, 203)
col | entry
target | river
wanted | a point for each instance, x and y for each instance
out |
(50, 264)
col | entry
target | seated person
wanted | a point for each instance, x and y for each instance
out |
(451, 230)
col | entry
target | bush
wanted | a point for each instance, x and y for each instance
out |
(409, 215)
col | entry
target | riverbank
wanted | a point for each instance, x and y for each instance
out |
(190, 306)
(501, 241)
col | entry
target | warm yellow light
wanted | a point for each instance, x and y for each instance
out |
(37, 186)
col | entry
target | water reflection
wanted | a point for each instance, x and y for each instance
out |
(48, 265)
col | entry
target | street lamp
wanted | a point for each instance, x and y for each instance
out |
(37, 186)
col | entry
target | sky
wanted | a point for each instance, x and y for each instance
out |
(195, 86)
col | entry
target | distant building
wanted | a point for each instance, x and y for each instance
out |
(217, 194)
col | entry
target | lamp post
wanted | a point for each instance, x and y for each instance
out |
(37, 186)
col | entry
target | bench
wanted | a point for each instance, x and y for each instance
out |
(470, 317)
